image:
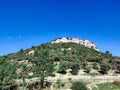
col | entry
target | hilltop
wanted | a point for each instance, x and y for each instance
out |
(39, 66)
(86, 43)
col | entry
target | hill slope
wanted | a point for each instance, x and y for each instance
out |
(48, 59)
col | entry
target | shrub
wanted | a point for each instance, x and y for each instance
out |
(87, 69)
(63, 67)
(70, 79)
(48, 84)
(104, 68)
(62, 84)
(59, 83)
(117, 83)
(75, 67)
(78, 86)
(95, 66)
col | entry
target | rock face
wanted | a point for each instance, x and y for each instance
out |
(86, 43)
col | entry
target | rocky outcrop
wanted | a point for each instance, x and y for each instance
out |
(86, 43)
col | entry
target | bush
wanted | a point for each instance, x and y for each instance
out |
(104, 68)
(87, 69)
(59, 83)
(95, 66)
(78, 86)
(117, 83)
(69, 65)
(64, 66)
(75, 67)
(70, 79)
(48, 84)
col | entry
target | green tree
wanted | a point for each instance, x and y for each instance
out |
(7, 75)
(21, 50)
(108, 54)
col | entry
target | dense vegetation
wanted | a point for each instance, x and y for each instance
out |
(42, 63)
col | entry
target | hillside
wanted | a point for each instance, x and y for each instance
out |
(52, 59)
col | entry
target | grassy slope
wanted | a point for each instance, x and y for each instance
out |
(108, 86)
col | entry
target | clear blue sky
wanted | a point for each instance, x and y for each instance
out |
(24, 23)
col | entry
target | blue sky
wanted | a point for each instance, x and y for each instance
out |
(24, 23)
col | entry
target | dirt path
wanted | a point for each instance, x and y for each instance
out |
(95, 79)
